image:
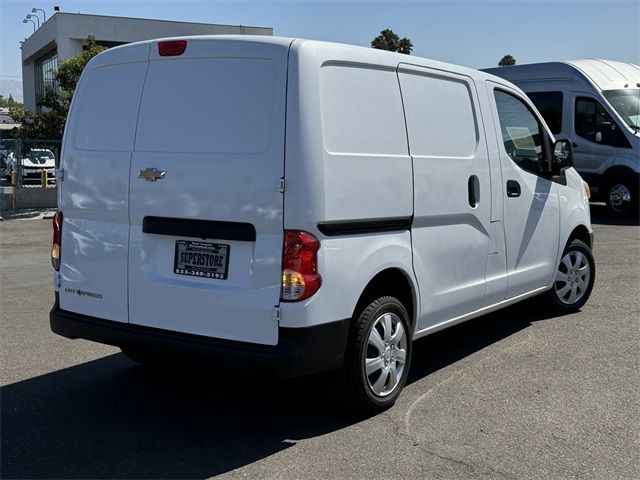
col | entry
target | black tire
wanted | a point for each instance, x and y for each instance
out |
(621, 196)
(354, 382)
(560, 301)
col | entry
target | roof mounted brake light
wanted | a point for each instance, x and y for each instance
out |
(172, 48)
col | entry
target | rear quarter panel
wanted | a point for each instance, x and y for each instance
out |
(329, 179)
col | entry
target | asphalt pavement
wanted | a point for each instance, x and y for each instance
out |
(520, 393)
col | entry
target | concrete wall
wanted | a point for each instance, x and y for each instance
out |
(29, 198)
(66, 32)
(6, 202)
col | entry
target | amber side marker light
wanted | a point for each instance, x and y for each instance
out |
(172, 48)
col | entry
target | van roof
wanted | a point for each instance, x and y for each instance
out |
(608, 74)
(604, 74)
(321, 48)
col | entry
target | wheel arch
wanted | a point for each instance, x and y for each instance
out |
(580, 232)
(395, 282)
(616, 171)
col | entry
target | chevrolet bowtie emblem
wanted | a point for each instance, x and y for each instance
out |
(151, 174)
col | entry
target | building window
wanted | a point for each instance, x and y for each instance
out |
(45, 68)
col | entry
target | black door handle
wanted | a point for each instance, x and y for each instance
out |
(513, 188)
(474, 191)
(574, 144)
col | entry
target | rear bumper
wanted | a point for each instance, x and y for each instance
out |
(299, 351)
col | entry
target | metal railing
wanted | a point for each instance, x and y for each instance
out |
(29, 163)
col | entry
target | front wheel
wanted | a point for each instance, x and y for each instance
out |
(574, 278)
(378, 355)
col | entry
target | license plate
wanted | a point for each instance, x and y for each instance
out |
(201, 259)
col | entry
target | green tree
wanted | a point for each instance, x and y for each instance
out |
(389, 40)
(49, 122)
(7, 102)
(506, 61)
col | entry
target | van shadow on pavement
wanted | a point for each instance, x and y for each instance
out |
(109, 418)
(601, 216)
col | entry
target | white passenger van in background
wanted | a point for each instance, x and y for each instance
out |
(596, 105)
(304, 206)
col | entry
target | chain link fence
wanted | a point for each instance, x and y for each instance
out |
(29, 163)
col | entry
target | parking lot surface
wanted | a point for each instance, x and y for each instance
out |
(520, 393)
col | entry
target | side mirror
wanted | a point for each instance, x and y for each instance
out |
(562, 156)
(604, 133)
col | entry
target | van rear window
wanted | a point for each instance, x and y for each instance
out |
(104, 114)
(207, 105)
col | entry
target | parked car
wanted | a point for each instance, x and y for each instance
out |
(318, 207)
(36, 160)
(595, 104)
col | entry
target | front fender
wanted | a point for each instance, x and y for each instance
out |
(629, 159)
(574, 209)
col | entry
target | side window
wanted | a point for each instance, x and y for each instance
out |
(595, 124)
(549, 104)
(521, 132)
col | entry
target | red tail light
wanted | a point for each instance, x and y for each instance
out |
(57, 240)
(172, 48)
(300, 277)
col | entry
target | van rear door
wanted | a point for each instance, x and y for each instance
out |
(206, 211)
(94, 195)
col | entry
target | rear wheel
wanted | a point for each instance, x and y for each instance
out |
(574, 279)
(378, 355)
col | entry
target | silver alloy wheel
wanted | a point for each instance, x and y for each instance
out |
(572, 277)
(619, 197)
(386, 354)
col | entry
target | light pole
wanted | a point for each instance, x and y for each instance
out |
(44, 15)
(29, 20)
(29, 16)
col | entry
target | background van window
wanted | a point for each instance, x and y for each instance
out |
(549, 104)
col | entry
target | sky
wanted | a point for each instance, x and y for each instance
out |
(470, 33)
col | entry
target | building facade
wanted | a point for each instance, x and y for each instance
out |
(63, 35)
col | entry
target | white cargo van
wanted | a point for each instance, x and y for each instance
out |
(596, 105)
(305, 206)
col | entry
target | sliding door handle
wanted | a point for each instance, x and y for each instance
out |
(473, 189)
